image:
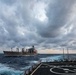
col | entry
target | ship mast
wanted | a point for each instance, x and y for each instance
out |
(63, 53)
(11, 49)
(68, 53)
(17, 49)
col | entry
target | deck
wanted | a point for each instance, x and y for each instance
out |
(66, 68)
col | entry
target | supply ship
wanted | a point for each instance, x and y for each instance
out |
(27, 52)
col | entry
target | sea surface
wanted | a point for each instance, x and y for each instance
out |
(17, 65)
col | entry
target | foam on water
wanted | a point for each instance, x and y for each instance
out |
(51, 59)
(5, 70)
(21, 66)
(30, 65)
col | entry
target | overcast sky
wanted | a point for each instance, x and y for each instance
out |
(47, 24)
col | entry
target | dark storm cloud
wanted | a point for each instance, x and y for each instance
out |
(58, 15)
(44, 23)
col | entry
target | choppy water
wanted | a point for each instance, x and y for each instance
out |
(17, 65)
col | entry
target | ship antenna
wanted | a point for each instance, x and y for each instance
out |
(68, 53)
(11, 49)
(63, 53)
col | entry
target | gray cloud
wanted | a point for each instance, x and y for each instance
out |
(43, 23)
(58, 15)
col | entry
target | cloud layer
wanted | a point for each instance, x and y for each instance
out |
(43, 23)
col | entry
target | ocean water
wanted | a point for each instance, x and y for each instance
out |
(17, 65)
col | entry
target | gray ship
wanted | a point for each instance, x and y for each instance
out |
(27, 52)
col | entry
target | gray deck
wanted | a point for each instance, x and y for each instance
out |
(54, 69)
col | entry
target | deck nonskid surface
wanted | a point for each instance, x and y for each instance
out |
(48, 69)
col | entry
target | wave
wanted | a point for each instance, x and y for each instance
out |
(51, 58)
(17, 65)
(5, 70)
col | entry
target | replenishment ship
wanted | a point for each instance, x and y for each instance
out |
(27, 52)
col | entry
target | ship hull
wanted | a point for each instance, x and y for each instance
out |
(12, 53)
